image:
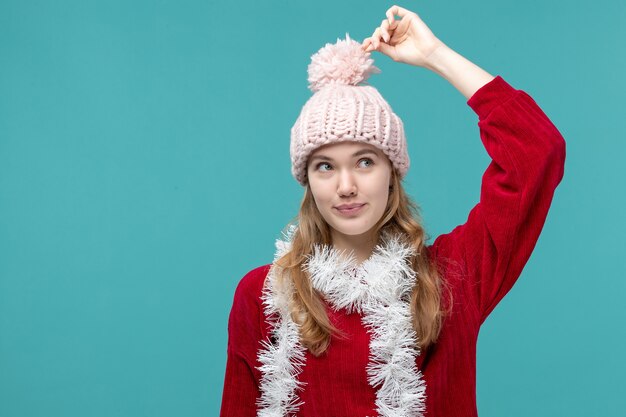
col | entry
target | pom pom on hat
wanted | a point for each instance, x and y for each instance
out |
(344, 62)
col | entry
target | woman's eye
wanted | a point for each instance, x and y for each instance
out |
(321, 165)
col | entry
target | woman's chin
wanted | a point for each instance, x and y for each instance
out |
(353, 229)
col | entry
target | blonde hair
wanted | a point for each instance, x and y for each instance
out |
(400, 216)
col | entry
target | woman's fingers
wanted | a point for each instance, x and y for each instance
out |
(376, 38)
(367, 42)
(384, 28)
(402, 24)
(406, 39)
(383, 32)
(396, 10)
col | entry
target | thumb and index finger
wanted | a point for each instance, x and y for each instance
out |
(381, 36)
(375, 43)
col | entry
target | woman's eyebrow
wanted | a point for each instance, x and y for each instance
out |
(357, 153)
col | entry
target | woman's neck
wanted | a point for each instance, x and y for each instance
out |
(362, 245)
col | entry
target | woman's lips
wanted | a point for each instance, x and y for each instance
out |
(350, 211)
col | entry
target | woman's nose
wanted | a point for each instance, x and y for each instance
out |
(347, 184)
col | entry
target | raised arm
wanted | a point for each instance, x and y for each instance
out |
(528, 156)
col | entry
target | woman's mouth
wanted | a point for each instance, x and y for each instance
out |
(349, 209)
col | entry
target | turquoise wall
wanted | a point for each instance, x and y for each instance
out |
(144, 169)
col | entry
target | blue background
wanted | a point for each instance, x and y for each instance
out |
(144, 169)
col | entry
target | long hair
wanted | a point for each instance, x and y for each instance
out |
(400, 216)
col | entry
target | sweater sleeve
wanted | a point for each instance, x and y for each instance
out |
(528, 156)
(241, 389)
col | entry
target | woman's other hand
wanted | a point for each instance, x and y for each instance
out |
(407, 40)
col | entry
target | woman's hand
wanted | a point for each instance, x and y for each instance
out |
(407, 40)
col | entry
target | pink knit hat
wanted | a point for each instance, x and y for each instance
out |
(343, 110)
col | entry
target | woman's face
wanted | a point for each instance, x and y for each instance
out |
(350, 174)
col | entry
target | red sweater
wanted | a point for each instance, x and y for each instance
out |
(480, 261)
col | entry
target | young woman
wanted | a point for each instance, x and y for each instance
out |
(357, 315)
